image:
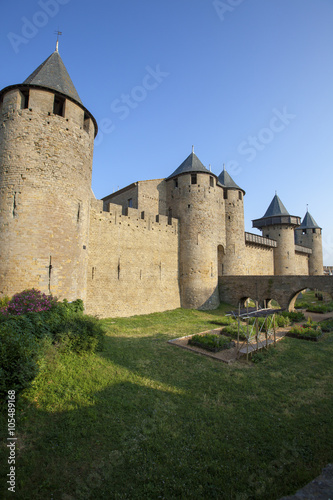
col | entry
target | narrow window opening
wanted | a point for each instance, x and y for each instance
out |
(211, 181)
(175, 183)
(225, 194)
(93, 272)
(130, 203)
(193, 178)
(239, 195)
(14, 206)
(59, 105)
(313, 230)
(170, 216)
(25, 99)
(78, 212)
(142, 215)
(86, 122)
(50, 273)
(118, 269)
(188, 206)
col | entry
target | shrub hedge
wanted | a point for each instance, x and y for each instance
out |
(29, 323)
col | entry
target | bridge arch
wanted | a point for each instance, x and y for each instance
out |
(283, 289)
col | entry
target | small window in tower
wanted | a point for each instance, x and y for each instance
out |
(225, 194)
(304, 231)
(239, 195)
(175, 182)
(313, 230)
(170, 216)
(25, 99)
(211, 181)
(193, 178)
(86, 122)
(130, 203)
(58, 105)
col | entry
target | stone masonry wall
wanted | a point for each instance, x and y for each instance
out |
(133, 263)
(301, 263)
(258, 260)
(146, 196)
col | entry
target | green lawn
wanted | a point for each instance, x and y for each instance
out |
(147, 420)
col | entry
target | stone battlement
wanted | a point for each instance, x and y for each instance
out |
(134, 218)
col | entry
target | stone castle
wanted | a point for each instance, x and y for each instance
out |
(152, 246)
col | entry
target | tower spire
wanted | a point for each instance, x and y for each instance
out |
(58, 33)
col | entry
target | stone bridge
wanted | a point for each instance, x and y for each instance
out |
(283, 289)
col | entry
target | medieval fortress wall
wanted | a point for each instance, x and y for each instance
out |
(133, 262)
(151, 246)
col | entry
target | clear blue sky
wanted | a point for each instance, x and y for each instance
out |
(248, 82)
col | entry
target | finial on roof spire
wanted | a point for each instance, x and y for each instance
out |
(223, 167)
(57, 44)
(307, 207)
(275, 192)
(192, 149)
(210, 167)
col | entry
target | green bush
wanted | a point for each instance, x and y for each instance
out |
(4, 301)
(23, 337)
(327, 325)
(80, 334)
(20, 349)
(294, 317)
(307, 330)
(301, 304)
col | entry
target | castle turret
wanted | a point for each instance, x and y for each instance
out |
(194, 196)
(279, 225)
(46, 149)
(309, 235)
(233, 261)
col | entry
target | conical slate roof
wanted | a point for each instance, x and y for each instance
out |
(308, 222)
(276, 208)
(191, 164)
(53, 74)
(227, 181)
(276, 213)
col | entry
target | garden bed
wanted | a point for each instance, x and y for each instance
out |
(305, 337)
(213, 342)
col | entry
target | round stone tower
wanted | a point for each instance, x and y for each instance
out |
(279, 225)
(196, 199)
(309, 235)
(233, 260)
(46, 149)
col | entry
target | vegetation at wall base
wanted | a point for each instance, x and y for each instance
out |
(30, 323)
(211, 342)
(146, 419)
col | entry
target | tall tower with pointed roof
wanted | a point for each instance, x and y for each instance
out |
(233, 260)
(277, 224)
(194, 196)
(46, 149)
(309, 235)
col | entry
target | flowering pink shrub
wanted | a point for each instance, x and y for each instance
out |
(28, 301)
